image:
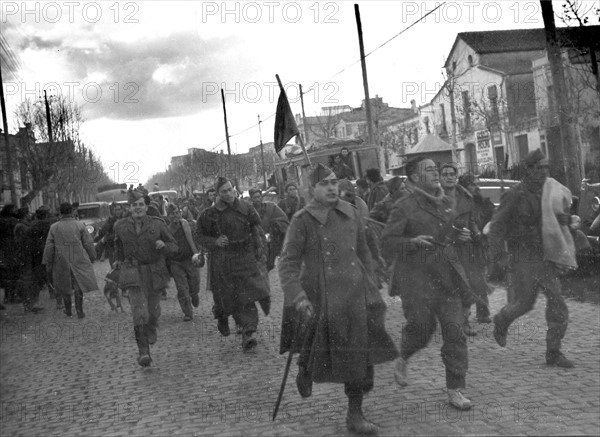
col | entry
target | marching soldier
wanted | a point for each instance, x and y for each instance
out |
(519, 220)
(230, 230)
(419, 238)
(325, 273)
(142, 243)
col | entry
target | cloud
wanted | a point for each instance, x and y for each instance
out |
(149, 77)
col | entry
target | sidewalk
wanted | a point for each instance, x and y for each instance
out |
(69, 377)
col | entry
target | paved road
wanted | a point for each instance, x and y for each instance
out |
(68, 377)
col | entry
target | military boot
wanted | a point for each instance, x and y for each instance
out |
(67, 302)
(141, 339)
(151, 330)
(79, 304)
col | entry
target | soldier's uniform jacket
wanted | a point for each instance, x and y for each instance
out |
(418, 269)
(325, 257)
(141, 247)
(290, 205)
(234, 275)
(518, 221)
(376, 194)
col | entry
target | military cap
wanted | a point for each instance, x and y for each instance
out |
(319, 173)
(535, 157)
(133, 196)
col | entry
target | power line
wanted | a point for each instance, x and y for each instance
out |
(319, 84)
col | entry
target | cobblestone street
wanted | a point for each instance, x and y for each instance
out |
(69, 377)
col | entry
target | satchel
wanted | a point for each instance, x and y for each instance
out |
(129, 275)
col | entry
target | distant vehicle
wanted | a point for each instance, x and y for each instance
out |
(93, 215)
(171, 195)
(495, 188)
(116, 195)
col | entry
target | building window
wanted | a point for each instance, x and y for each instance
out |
(523, 145)
(470, 59)
(426, 121)
(416, 135)
(466, 109)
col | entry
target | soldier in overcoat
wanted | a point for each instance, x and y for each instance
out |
(142, 243)
(325, 272)
(68, 257)
(428, 275)
(231, 232)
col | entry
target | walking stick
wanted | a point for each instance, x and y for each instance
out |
(283, 382)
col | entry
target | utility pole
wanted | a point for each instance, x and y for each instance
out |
(262, 153)
(363, 65)
(11, 177)
(48, 119)
(568, 169)
(225, 118)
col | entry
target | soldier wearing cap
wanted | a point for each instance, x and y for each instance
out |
(518, 221)
(325, 272)
(142, 243)
(231, 232)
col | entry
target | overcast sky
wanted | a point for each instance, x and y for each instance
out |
(148, 74)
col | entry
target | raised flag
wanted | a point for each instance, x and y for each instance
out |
(285, 124)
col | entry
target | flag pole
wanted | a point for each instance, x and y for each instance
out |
(299, 137)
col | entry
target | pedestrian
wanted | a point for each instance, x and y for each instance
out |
(482, 212)
(346, 156)
(292, 202)
(341, 170)
(106, 234)
(463, 205)
(68, 257)
(231, 232)
(325, 273)
(37, 235)
(381, 210)
(533, 219)
(184, 272)
(362, 189)
(142, 243)
(274, 223)
(377, 188)
(428, 277)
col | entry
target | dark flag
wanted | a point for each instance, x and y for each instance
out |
(285, 124)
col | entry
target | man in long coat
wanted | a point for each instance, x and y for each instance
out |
(230, 230)
(292, 202)
(68, 257)
(428, 276)
(325, 272)
(142, 243)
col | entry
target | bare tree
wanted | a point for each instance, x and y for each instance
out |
(64, 170)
